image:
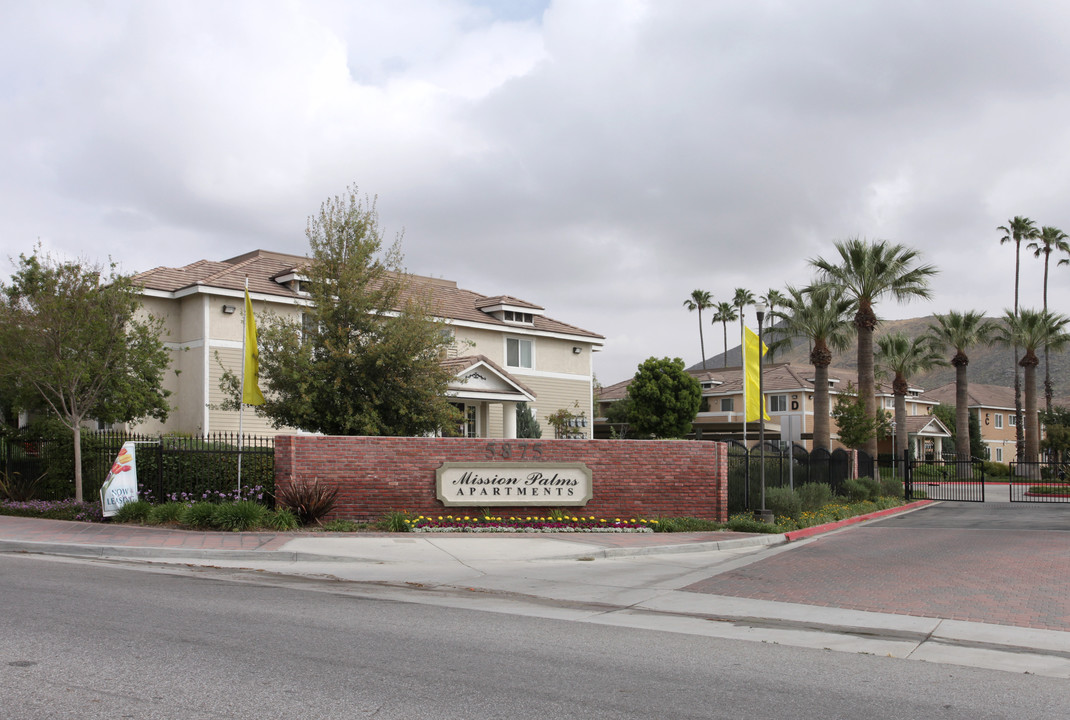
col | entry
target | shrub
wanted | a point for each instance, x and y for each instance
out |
(861, 489)
(309, 501)
(394, 522)
(997, 469)
(685, 524)
(13, 486)
(201, 515)
(783, 502)
(745, 522)
(244, 515)
(891, 487)
(282, 520)
(168, 512)
(133, 512)
(814, 496)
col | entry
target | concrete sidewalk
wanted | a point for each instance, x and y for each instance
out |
(695, 583)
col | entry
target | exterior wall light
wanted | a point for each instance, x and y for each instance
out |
(229, 309)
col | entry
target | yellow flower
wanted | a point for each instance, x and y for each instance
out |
(602, 520)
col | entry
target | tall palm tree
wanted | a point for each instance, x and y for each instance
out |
(868, 271)
(822, 314)
(903, 357)
(1030, 330)
(725, 312)
(742, 298)
(772, 299)
(1018, 229)
(1051, 238)
(961, 331)
(700, 300)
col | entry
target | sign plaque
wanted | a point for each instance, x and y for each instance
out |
(486, 484)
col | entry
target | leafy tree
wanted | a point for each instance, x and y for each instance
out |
(822, 315)
(725, 313)
(700, 300)
(1050, 238)
(947, 416)
(664, 398)
(867, 272)
(1031, 330)
(364, 360)
(855, 425)
(619, 416)
(526, 424)
(961, 331)
(1057, 433)
(71, 333)
(903, 357)
(1018, 229)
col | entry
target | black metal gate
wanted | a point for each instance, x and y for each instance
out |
(954, 480)
(1040, 482)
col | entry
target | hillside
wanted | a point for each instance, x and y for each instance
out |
(989, 364)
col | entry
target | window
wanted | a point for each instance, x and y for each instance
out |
(518, 353)
(778, 403)
(999, 454)
(728, 404)
(468, 427)
(999, 420)
(1012, 420)
(520, 317)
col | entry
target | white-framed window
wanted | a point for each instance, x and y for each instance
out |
(999, 454)
(519, 353)
(519, 317)
(728, 404)
(999, 420)
(1012, 419)
(778, 403)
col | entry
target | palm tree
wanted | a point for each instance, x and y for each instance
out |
(1051, 238)
(1018, 229)
(725, 313)
(903, 357)
(772, 299)
(868, 271)
(961, 331)
(1030, 330)
(822, 315)
(700, 300)
(741, 299)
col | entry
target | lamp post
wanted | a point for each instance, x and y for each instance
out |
(895, 457)
(763, 514)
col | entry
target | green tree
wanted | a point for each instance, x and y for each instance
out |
(903, 357)
(772, 300)
(946, 414)
(821, 315)
(1018, 229)
(867, 272)
(855, 425)
(365, 358)
(1031, 330)
(664, 398)
(1056, 440)
(700, 300)
(72, 333)
(725, 312)
(1050, 238)
(741, 299)
(619, 417)
(961, 331)
(526, 424)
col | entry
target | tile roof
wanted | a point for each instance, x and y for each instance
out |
(460, 364)
(989, 396)
(262, 267)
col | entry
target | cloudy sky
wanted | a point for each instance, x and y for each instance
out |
(602, 158)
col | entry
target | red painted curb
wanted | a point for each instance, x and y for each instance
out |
(828, 527)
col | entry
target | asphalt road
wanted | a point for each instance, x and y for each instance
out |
(985, 516)
(92, 640)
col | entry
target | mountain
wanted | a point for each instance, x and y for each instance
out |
(990, 364)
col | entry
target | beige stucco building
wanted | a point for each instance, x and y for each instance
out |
(504, 350)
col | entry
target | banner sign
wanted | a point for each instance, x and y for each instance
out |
(120, 487)
(513, 484)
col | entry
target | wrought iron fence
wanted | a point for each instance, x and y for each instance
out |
(166, 466)
(788, 466)
(1040, 482)
(952, 480)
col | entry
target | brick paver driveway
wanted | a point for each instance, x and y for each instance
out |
(994, 562)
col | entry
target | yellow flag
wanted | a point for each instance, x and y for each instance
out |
(750, 375)
(250, 392)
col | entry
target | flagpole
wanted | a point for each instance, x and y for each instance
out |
(241, 394)
(743, 375)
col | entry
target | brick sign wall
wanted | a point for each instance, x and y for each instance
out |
(632, 478)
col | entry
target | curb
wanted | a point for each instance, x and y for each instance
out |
(148, 553)
(796, 535)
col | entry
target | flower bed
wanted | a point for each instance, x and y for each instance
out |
(528, 524)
